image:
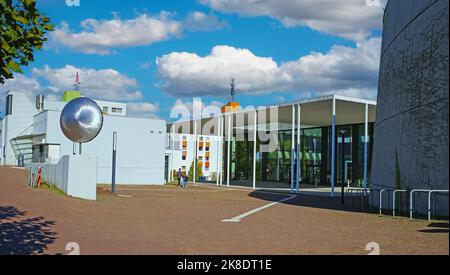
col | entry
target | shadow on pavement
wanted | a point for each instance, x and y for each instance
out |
(21, 235)
(439, 224)
(307, 200)
(436, 227)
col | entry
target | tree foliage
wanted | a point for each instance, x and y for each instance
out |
(198, 171)
(23, 30)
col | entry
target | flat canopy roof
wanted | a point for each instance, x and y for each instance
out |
(316, 112)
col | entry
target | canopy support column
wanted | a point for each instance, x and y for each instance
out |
(299, 171)
(254, 149)
(292, 148)
(333, 144)
(366, 140)
(229, 151)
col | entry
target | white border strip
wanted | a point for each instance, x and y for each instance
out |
(251, 212)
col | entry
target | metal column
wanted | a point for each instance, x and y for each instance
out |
(195, 151)
(218, 151)
(366, 140)
(113, 176)
(299, 171)
(173, 152)
(229, 150)
(254, 149)
(222, 123)
(333, 141)
(292, 148)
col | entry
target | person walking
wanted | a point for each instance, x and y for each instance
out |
(179, 177)
(185, 179)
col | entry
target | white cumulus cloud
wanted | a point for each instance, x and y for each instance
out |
(188, 74)
(340, 69)
(107, 84)
(199, 21)
(353, 19)
(102, 36)
(143, 109)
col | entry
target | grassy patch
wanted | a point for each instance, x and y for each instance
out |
(171, 183)
(52, 188)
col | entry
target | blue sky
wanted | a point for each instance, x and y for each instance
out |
(277, 51)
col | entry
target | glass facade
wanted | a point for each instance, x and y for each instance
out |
(273, 169)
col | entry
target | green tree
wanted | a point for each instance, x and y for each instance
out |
(23, 30)
(174, 174)
(198, 172)
(397, 174)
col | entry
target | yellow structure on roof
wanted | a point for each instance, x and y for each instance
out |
(69, 95)
(231, 107)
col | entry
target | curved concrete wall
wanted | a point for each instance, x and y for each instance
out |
(412, 111)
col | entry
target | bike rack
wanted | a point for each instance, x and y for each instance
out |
(380, 198)
(360, 192)
(393, 200)
(429, 200)
(394, 192)
(411, 204)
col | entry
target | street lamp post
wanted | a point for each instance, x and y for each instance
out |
(114, 152)
(342, 132)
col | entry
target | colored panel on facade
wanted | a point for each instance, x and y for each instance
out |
(69, 95)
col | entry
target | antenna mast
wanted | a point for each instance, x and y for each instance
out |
(233, 89)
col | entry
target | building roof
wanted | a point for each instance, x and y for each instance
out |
(315, 112)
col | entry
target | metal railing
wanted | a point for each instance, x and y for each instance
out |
(355, 193)
(380, 198)
(411, 199)
(411, 203)
(393, 199)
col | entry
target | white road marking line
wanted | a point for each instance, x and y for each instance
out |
(124, 196)
(251, 212)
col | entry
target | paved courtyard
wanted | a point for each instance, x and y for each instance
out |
(199, 220)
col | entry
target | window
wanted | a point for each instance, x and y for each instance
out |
(183, 155)
(184, 144)
(208, 144)
(9, 102)
(116, 110)
(105, 110)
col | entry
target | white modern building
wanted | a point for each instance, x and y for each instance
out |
(316, 142)
(33, 130)
(182, 149)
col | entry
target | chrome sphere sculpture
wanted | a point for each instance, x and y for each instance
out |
(81, 120)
